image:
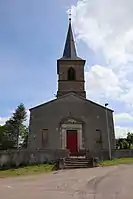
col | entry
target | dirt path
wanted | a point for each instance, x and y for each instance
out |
(97, 183)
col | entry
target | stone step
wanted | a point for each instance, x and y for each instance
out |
(75, 166)
(75, 163)
(77, 160)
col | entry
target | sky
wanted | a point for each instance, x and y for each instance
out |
(32, 36)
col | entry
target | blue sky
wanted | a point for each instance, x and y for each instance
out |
(32, 36)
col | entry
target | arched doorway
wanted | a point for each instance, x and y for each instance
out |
(71, 135)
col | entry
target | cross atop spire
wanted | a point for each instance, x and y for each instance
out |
(70, 49)
(69, 15)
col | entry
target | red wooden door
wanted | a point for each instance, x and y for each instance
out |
(72, 141)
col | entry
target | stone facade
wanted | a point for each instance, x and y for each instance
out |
(70, 111)
(64, 85)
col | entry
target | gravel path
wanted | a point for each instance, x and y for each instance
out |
(97, 183)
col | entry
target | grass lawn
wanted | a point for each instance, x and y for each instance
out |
(117, 161)
(28, 170)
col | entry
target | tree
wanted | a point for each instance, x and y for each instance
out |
(125, 144)
(14, 129)
(1, 135)
(9, 129)
(122, 143)
(130, 139)
(24, 136)
(5, 141)
(19, 116)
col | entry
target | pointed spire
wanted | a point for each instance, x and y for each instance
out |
(70, 49)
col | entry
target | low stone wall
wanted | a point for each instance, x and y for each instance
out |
(16, 158)
(104, 154)
(123, 153)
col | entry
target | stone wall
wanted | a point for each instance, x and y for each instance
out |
(48, 117)
(123, 153)
(15, 158)
(104, 154)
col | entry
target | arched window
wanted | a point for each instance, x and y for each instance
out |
(71, 75)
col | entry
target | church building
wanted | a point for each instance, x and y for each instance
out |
(71, 121)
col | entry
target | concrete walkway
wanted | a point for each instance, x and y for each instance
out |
(99, 183)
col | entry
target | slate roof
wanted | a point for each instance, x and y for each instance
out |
(69, 94)
(70, 48)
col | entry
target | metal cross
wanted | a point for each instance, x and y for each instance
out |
(69, 14)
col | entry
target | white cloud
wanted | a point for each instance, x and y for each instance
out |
(123, 117)
(127, 120)
(28, 117)
(4, 119)
(122, 131)
(106, 26)
(102, 81)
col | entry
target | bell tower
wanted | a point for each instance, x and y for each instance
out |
(70, 69)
